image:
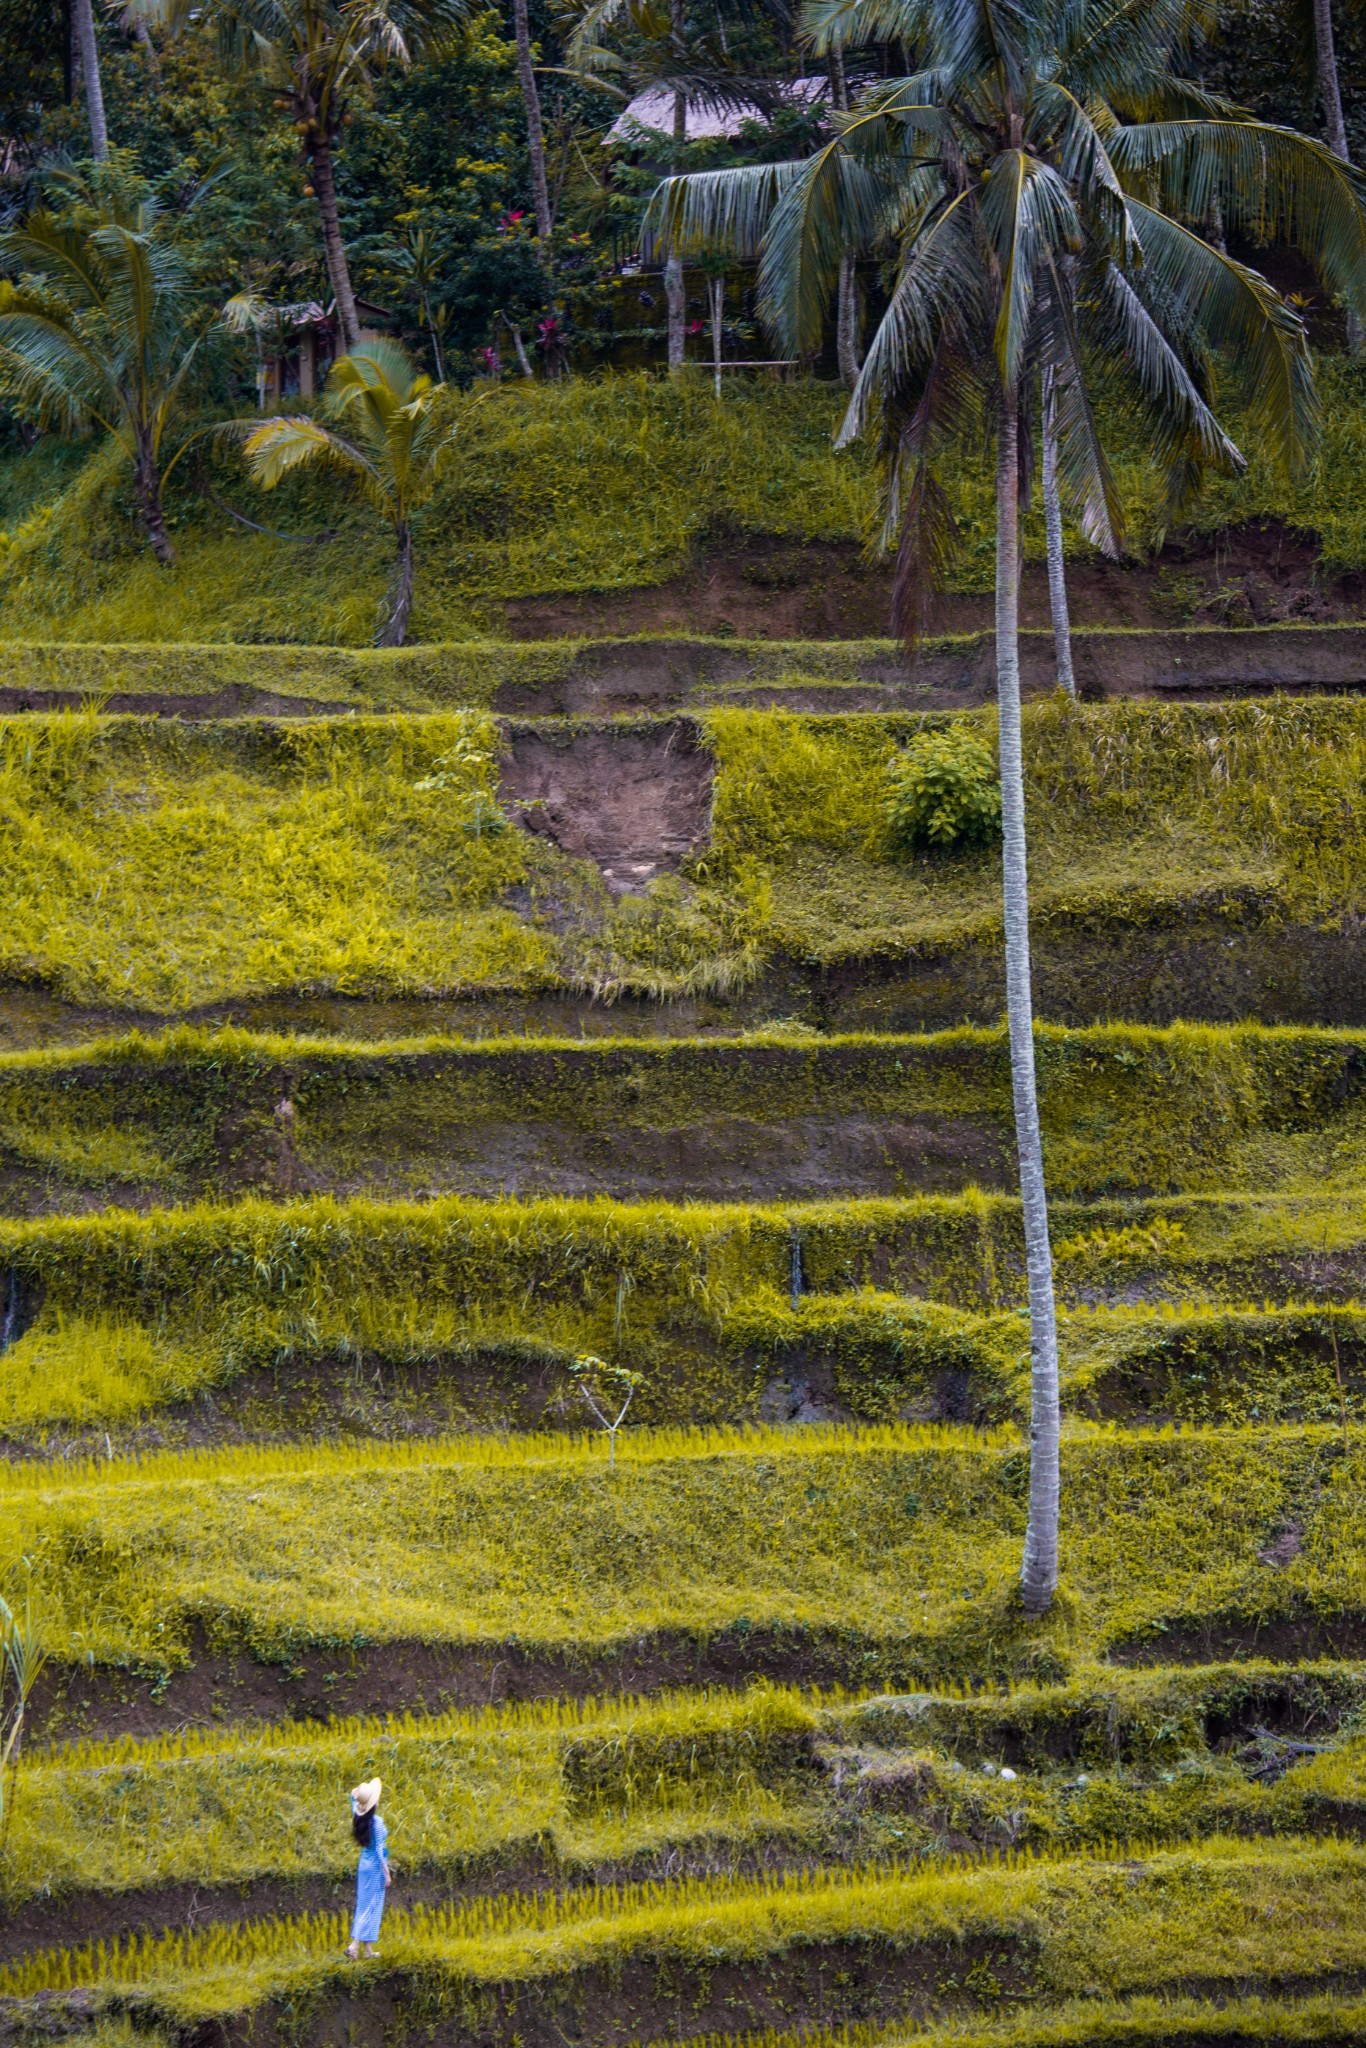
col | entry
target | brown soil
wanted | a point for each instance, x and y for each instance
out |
(320, 1684)
(1305, 1639)
(636, 800)
(799, 1158)
(234, 700)
(765, 588)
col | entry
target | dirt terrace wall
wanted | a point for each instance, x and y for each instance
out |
(606, 674)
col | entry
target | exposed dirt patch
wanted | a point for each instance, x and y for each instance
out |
(634, 799)
(820, 590)
(319, 1684)
(730, 1158)
(234, 700)
(1304, 1639)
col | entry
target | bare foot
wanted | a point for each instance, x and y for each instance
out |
(353, 1950)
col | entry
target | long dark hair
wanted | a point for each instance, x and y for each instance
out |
(363, 1827)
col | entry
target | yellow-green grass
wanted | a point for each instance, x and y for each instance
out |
(608, 482)
(595, 483)
(150, 865)
(1124, 1107)
(896, 1548)
(580, 1786)
(1199, 1307)
(1093, 2023)
(1217, 1914)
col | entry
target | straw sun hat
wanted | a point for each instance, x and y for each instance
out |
(366, 1795)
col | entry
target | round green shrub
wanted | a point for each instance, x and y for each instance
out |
(943, 792)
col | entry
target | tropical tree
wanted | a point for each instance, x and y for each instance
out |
(662, 52)
(1042, 179)
(320, 58)
(102, 328)
(535, 127)
(83, 22)
(399, 433)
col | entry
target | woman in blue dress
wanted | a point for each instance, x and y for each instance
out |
(372, 1871)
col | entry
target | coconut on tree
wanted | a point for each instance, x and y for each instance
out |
(1041, 183)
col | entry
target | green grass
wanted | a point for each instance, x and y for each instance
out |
(588, 1785)
(589, 484)
(900, 1545)
(1134, 2022)
(154, 865)
(1100, 1929)
(698, 1297)
(1125, 1108)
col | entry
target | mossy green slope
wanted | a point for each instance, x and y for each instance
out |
(563, 1789)
(196, 1113)
(161, 866)
(901, 1545)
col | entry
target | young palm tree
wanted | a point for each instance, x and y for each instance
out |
(399, 437)
(1041, 179)
(320, 57)
(101, 329)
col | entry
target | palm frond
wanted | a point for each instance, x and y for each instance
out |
(1029, 221)
(1269, 182)
(941, 284)
(726, 211)
(1262, 340)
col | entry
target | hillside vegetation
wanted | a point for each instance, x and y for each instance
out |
(607, 483)
(388, 1040)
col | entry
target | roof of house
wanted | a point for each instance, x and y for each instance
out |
(653, 112)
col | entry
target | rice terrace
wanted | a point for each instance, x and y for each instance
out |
(682, 1024)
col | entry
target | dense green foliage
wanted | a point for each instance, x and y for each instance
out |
(226, 860)
(943, 792)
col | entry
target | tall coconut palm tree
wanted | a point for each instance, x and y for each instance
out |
(83, 21)
(535, 127)
(689, 65)
(1042, 180)
(399, 436)
(101, 328)
(321, 59)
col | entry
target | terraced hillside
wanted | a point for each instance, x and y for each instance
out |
(382, 1039)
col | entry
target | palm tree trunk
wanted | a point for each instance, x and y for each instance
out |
(846, 314)
(535, 133)
(90, 72)
(1330, 88)
(1039, 1570)
(847, 323)
(1330, 92)
(674, 293)
(324, 185)
(148, 484)
(395, 629)
(1052, 519)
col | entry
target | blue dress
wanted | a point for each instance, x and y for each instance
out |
(370, 1884)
